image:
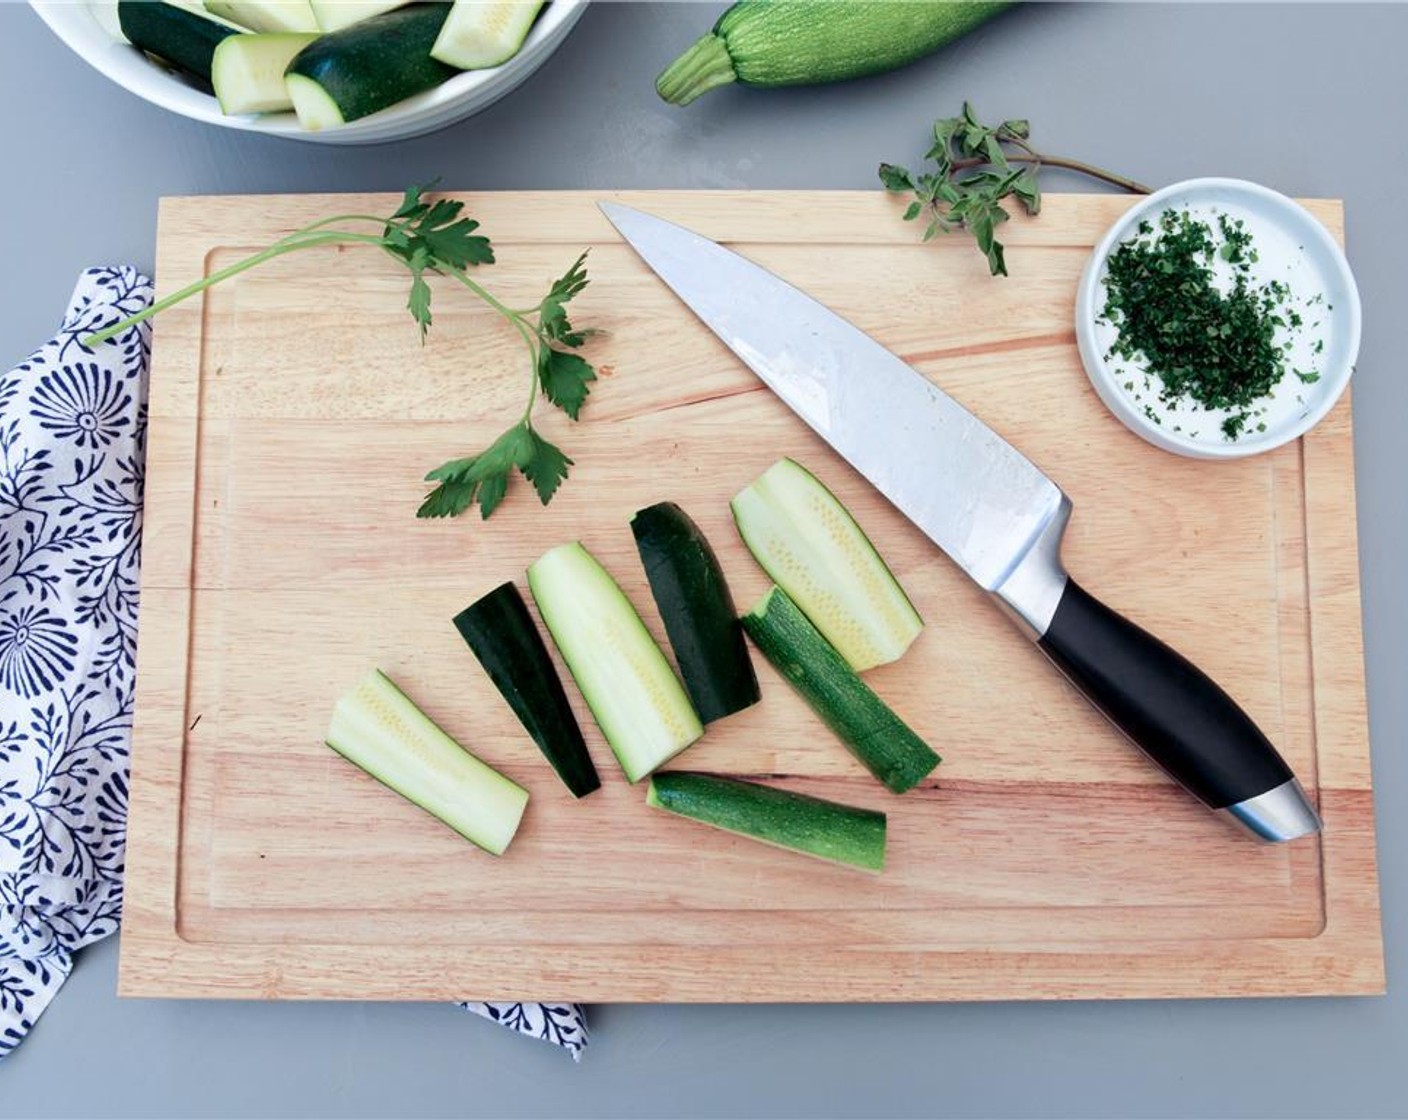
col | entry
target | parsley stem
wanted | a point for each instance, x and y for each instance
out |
(530, 338)
(532, 392)
(301, 239)
(484, 294)
(344, 218)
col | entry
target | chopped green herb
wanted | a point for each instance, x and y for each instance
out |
(1214, 345)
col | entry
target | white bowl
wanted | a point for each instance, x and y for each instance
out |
(1293, 247)
(90, 29)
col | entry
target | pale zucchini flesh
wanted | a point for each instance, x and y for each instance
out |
(247, 71)
(334, 15)
(376, 727)
(315, 107)
(479, 34)
(197, 7)
(266, 15)
(811, 546)
(634, 695)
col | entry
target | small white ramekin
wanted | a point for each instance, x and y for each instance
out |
(1292, 245)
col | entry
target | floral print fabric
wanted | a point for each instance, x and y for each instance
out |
(72, 429)
(72, 423)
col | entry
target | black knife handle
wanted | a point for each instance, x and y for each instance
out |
(1162, 701)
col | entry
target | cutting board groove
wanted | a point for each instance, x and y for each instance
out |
(293, 412)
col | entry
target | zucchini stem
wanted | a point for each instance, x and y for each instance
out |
(705, 66)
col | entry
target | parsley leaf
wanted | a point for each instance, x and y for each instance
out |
(547, 469)
(552, 313)
(484, 478)
(491, 493)
(418, 302)
(454, 242)
(565, 378)
(449, 499)
(411, 205)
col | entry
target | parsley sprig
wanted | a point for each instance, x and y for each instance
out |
(561, 375)
(973, 172)
(434, 237)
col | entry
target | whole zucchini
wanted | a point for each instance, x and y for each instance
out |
(808, 42)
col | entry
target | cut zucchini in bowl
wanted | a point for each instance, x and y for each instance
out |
(810, 825)
(367, 67)
(247, 71)
(482, 33)
(266, 15)
(334, 15)
(174, 32)
(812, 547)
(634, 694)
(377, 728)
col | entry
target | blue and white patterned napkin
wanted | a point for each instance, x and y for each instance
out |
(72, 430)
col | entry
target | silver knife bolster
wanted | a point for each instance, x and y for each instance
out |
(1031, 592)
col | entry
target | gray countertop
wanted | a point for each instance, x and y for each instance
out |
(1306, 98)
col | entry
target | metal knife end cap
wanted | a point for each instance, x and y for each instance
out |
(1279, 814)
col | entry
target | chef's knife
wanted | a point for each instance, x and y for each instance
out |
(994, 513)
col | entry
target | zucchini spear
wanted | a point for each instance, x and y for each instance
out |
(810, 825)
(883, 742)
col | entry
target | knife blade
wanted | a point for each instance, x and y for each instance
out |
(985, 505)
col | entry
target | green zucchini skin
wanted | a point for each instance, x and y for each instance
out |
(809, 42)
(501, 632)
(377, 62)
(811, 825)
(182, 38)
(697, 608)
(883, 742)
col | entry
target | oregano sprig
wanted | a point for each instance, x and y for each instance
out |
(973, 172)
(435, 237)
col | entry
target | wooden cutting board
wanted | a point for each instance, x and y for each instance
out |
(293, 412)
